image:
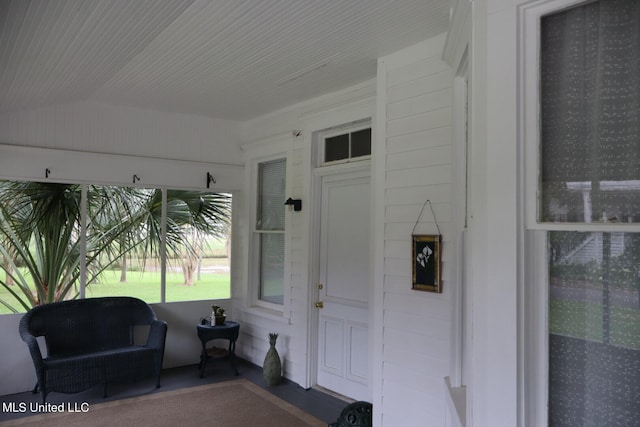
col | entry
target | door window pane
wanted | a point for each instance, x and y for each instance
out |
(336, 148)
(361, 143)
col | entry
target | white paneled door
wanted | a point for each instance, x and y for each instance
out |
(343, 359)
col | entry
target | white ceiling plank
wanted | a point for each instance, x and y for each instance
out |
(230, 59)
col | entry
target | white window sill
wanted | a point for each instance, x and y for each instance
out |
(456, 398)
(267, 313)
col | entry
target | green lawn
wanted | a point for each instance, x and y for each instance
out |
(146, 286)
(582, 320)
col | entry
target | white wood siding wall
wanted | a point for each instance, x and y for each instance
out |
(266, 136)
(257, 323)
(415, 141)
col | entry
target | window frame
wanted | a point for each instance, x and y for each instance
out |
(259, 233)
(254, 254)
(529, 17)
(23, 163)
(338, 131)
(533, 263)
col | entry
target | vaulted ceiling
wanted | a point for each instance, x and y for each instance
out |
(233, 59)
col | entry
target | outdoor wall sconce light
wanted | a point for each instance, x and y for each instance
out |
(296, 204)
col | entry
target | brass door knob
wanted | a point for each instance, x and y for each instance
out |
(319, 304)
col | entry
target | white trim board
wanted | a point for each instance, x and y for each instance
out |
(30, 163)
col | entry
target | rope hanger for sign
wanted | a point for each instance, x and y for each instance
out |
(420, 215)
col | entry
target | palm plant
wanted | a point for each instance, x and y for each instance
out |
(40, 231)
(190, 216)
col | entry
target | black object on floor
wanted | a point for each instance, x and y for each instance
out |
(356, 414)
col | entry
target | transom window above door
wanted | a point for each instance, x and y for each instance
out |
(346, 145)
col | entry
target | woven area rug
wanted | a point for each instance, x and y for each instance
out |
(230, 403)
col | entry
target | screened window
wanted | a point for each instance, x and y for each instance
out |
(590, 133)
(269, 230)
(590, 179)
(130, 248)
(594, 328)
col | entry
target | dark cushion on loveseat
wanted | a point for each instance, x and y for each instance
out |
(91, 341)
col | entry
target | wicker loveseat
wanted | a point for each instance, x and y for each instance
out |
(91, 341)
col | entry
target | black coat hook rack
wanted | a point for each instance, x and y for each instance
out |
(210, 179)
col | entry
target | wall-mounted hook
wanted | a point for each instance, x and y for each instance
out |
(136, 178)
(47, 172)
(210, 179)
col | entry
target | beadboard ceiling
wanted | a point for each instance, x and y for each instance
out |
(228, 59)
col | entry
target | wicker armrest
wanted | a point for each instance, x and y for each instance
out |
(157, 334)
(32, 342)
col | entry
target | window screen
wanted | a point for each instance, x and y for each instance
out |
(590, 146)
(270, 230)
(271, 209)
(590, 173)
